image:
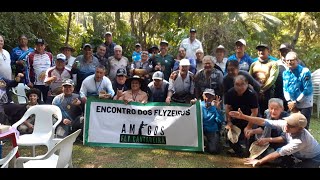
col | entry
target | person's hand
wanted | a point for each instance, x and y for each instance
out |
(253, 162)
(229, 125)
(18, 77)
(76, 102)
(216, 102)
(236, 114)
(126, 101)
(30, 84)
(66, 122)
(262, 141)
(246, 133)
(120, 92)
(168, 100)
(193, 101)
(84, 100)
(249, 133)
(157, 67)
(291, 105)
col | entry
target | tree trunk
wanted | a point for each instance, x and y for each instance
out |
(68, 27)
(179, 19)
(141, 29)
(133, 29)
(298, 29)
(117, 19)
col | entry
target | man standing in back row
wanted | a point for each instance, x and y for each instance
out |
(191, 44)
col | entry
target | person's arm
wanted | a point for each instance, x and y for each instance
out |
(274, 72)
(254, 120)
(257, 162)
(307, 86)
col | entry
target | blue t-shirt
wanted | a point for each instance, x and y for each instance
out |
(244, 63)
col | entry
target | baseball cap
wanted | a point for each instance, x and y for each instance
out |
(121, 72)
(296, 120)
(262, 46)
(87, 45)
(67, 82)
(184, 62)
(157, 75)
(209, 91)
(39, 41)
(220, 47)
(242, 41)
(108, 33)
(138, 44)
(61, 57)
(164, 42)
(285, 46)
(193, 30)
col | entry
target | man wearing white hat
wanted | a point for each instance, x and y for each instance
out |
(181, 84)
(300, 143)
(243, 58)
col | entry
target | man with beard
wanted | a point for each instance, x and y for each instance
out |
(265, 71)
(181, 84)
(208, 77)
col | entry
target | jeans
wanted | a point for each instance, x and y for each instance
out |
(307, 112)
(213, 145)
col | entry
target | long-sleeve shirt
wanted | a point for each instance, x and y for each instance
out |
(91, 87)
(297, 86)
(212, 118)
(302, 145)
(191, 47)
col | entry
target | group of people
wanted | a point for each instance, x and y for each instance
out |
(261, 87)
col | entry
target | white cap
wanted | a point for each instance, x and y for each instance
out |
(242, 41)
(184, 62)
(61, 57)
(108, 33)
(157, 75)
(291, 55)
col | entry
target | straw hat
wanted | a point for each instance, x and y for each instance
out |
(233, 134)
(256, 150)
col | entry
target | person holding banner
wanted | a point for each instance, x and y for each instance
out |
(212, 119)
(71, 109)
(97, 85)
(134, 94)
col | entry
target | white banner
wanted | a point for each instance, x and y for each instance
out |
(153, 125)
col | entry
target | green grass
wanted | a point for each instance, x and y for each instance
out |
(101, 157)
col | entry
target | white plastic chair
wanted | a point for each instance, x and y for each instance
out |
(10, 156)
(315, 77)
(43, 129)
(60, 156)
(20, 92)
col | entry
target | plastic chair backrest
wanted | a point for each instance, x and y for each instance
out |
(5, 161)
(65, 147)
(43, 118)
(20, 90)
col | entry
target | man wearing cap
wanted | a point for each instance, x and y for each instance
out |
(119, 85)
(297, 86)
(208, 77)
(97, 85)
(136, 55)
(72, 110)
(243, 58)
(220, 59)
(181, 84)
(191, 44)
(55, 75)
(153, 51)
(212, 119)
(158, 87)
(299, 142)
(163, 61)
(265, 71)
(39, 62)
(67, 50)
(19, 55)
(117, 61)
(85, 65)
(182, 55)
(109, 44)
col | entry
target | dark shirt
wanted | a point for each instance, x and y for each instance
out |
(228, 82)
(7, 88)
(110, 49)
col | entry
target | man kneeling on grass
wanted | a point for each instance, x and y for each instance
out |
(300, 143)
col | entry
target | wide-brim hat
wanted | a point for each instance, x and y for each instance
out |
(256, 150)
(233, 134)
(67, 47)
(135, 77)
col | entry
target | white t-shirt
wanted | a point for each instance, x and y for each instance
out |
(191, 47)
(5, 66)
(91, 87)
